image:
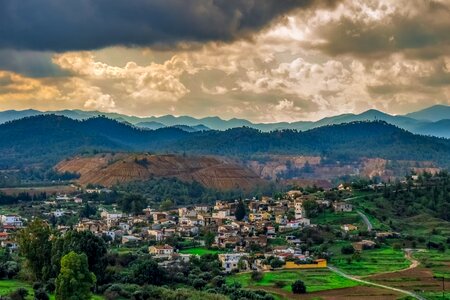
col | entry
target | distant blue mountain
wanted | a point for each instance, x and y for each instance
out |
(423, 122)
(432, 114)
(47, 139)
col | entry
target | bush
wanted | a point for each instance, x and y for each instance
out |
(257, 276)
(37, 285)
(198, 284)
(19, 294)
(276, 263)
(299, 287)
(218, 281)
(41, 294)
(348, 249)
(50, 286)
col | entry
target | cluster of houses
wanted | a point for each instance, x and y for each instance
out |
(266, 219)
(9, 225)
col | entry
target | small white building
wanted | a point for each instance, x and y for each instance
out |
(230, 261)
(11, 220)
(342, 207)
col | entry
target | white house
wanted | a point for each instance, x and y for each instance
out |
(11, 220)
(230, 260)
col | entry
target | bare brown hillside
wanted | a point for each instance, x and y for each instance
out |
(108, 169)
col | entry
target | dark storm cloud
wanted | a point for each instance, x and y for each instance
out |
(424, 34)
(29, 63)
(61, 25)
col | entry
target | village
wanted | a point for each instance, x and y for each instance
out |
(251, 234)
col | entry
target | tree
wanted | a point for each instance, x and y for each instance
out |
(257, 276)
(35, 245)
(82, 242)
(209, 238)
(276, 263)
(347, 249)
(41, 294)
(19, 294)
(132, 203)
(147, 271)
(74, 282)
(311, 208)
(166, 204)
(88, 211)
(298, 287)
(240, 211)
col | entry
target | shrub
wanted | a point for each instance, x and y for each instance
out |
(257, 276)
(347, 249)
(299, 287)
(37, 285)
(50, 286)
(198, 284)
(19, 294)
(41, 294)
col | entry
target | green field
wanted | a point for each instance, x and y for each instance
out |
(436, 295)
(372, 262)
(200, 251)
(315, 280)
(438, 262)
(8, 286)
(338, 219)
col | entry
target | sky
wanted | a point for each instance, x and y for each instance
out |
(262, 60)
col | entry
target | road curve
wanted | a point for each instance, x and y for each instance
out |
(366, 220)
(408, 293)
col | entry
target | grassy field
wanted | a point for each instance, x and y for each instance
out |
(337, 219)
(372, 262)
(8, 286)
(199, 251)
(315, 280)
(438, 262)
(436, 295)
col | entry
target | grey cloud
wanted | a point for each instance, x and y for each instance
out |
(421, 35)
(29, 63)
(61, 25)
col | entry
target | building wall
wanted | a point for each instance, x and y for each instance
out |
(318, 265)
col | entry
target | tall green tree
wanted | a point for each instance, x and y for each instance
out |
(75, 281)
(132, 203)
(35, 245)
(209, 238)
(241, 211)
(82, 242)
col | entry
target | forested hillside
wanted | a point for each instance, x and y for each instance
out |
(49, 139)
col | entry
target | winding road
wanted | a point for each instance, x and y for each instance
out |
(366, 220)
(408, 293)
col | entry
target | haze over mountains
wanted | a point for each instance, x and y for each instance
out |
(433, 121)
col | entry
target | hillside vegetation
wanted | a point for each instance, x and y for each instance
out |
(50, 138)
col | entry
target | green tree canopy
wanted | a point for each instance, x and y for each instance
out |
(74, 282)
(82, 242)
(132, 203)
(35, 245)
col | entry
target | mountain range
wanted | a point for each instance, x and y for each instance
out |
(47, 139)
(434, 121)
